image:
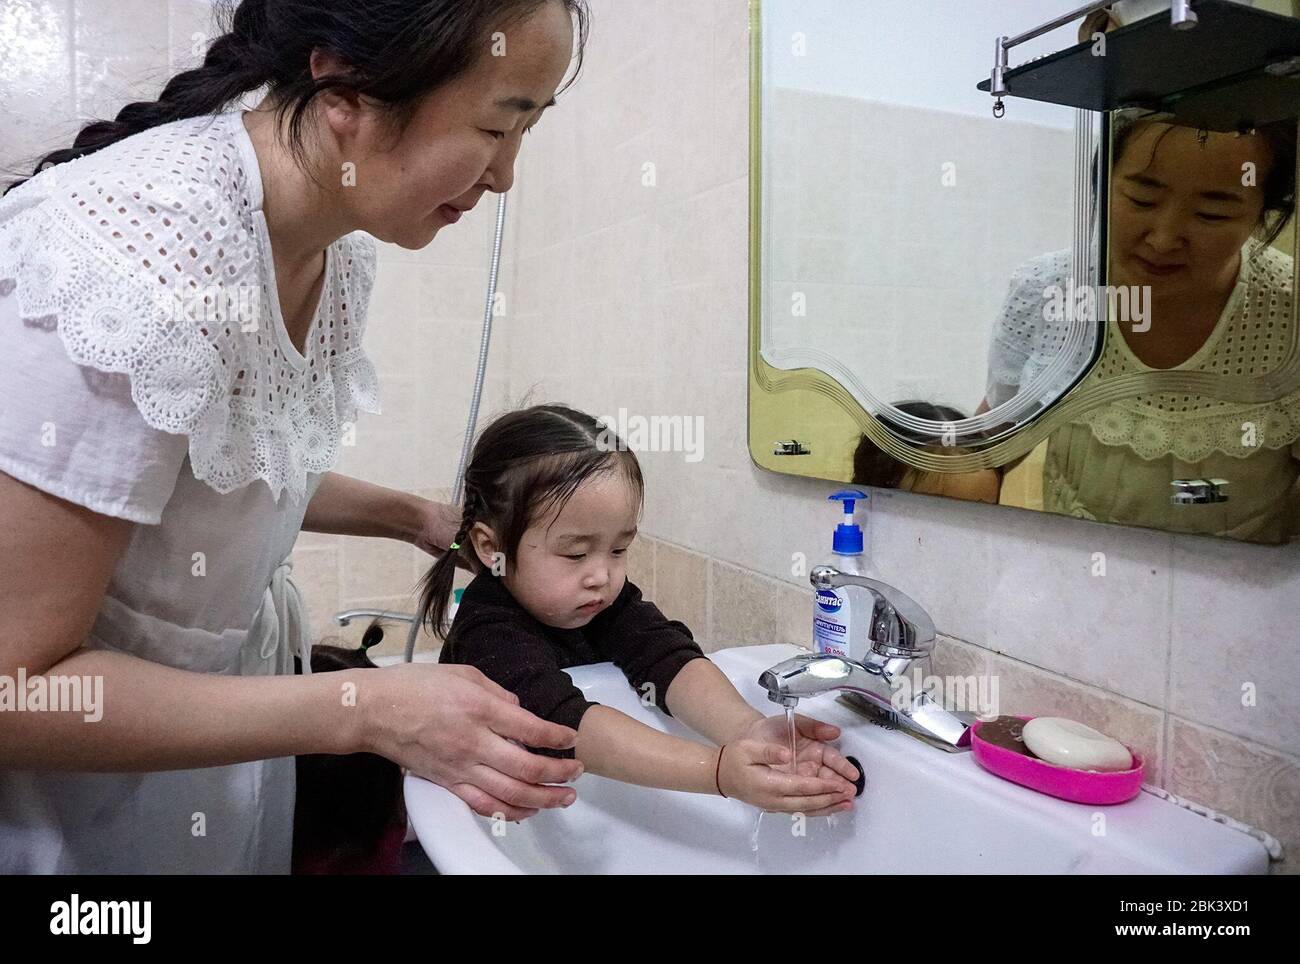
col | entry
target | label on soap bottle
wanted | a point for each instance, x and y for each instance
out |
(831, 623)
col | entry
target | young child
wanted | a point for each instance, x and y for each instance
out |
(552, 501)
(874, 466)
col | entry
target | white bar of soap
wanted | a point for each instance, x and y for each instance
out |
(1071, 744)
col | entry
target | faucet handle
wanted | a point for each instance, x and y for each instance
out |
(899, 626)
(1198, 491)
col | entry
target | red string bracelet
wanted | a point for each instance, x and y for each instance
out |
(718, 770)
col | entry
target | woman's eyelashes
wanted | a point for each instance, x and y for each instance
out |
(1203, 215)
(498, 135)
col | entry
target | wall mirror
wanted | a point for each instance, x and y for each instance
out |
(1081, 306)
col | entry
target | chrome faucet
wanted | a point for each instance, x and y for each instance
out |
(412, 632)
(902, 638)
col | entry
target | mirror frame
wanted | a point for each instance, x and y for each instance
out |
(786, 404)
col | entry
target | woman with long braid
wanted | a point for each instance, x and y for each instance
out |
(183, 294)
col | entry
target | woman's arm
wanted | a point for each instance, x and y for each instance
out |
(346, 506)
(449, 724)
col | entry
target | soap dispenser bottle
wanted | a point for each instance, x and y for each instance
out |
(835, 631)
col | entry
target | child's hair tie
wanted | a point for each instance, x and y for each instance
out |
(373, 636)
(454, 545)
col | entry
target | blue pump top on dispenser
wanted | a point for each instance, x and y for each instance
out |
(848, 534)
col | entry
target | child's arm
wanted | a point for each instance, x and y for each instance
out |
(614, 745)
(661, 659)
(704, 699)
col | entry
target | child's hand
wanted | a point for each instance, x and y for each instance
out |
(816, 757)
(749, 770)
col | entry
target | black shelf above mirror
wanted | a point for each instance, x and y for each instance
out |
(1237, 68)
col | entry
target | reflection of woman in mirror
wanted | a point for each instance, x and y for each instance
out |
(1192, 218)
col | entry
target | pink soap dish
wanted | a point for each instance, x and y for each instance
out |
(1080, 786)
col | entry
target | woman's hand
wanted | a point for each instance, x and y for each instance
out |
(454, 726)
(751, 770)
(816, 758)
(437, 527)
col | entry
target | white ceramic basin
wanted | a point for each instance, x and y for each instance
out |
(923, 811)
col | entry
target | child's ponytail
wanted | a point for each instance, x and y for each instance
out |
(435, 586)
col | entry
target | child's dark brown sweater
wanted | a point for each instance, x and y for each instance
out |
(493, 633)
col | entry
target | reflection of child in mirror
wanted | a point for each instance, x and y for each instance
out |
(874, 466)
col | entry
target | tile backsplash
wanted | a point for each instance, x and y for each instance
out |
(889, 231)
(625, 286)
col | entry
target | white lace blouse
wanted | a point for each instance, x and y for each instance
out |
(1253, 336)
(1114, 462)
(148, 375)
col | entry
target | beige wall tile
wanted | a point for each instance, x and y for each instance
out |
(1025, 690)
(682, 588)
(314, 540)
(383, 455)
(1047, 604)
(952, 657)
(1243, 780)
(946, 568)
(1235, 649)
(316, 574)
(394, 318)
(641, 566)
(378, 568)
(750, 609)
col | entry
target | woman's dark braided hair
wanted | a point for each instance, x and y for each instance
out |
(397, 52)
(525, 464)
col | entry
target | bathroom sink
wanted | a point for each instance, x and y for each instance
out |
(923, 811)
